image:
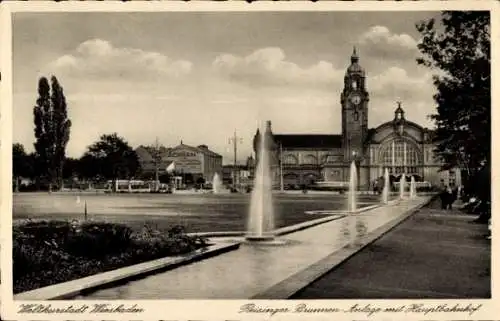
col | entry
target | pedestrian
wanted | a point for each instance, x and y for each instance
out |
(451, 197)
(443, 196)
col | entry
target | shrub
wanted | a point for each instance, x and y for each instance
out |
(43, 231)
(97, 239)
(50, 252)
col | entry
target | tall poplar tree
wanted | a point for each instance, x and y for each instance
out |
(52, 129)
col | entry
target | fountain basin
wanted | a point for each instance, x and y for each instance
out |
(266, 241)
(259, 238)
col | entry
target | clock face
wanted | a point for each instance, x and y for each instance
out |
(355, 99)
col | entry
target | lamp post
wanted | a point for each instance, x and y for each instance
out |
(235, 140)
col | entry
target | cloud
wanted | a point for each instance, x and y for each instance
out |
(99, 59)
(269, 66)
(380, 42)
(395, 83)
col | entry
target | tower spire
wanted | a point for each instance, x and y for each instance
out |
(354, 56)
(399, 113)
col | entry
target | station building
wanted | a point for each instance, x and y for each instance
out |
(400, 145)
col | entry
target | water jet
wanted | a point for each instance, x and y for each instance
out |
(261, 214)
(385, 191)
(216, 184)
(413, 188)
(352, 202)
(402, 183)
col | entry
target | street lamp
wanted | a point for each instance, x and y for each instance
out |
(235, 140)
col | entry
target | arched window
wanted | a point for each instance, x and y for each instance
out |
(400, 156)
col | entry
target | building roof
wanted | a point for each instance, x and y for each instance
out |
(145, 153)
(308, 141)
(201, 149)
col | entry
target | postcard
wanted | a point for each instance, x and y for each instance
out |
(248, 161)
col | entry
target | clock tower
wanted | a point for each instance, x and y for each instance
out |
(354, 100)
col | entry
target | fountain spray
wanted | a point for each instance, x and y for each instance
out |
(413, 188)
(385, 191)
(261, 215)
(352, 188)
(402, 183)
(216, 184)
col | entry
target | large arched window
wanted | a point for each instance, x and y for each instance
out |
(400, 156)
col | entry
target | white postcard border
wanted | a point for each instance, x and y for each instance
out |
(222, 309)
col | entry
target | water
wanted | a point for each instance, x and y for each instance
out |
(385, 191)
(402, 183)
(413, 188)
(261, 214)
(216, 184)
(352, 206)
(198, 212)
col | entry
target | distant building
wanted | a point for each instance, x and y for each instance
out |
(242, 172)
(399, 145)
(184, 160)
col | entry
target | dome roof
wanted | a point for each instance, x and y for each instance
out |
(355, 67)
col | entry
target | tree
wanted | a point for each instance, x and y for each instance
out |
(71, 168)
(459, 51)
(22, 165)
(52, 129)
(112, 158)
(156, 152)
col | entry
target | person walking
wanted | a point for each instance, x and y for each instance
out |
(443, 193)
(453, 191)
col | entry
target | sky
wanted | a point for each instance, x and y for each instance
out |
(199, 77)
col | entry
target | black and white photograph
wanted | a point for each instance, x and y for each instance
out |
(275, 157)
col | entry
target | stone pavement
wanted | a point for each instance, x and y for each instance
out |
(433, 254)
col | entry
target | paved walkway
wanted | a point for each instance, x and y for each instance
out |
(433, 254)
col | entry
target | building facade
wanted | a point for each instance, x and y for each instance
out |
(182, 160)
(241, 172)
(399, 145)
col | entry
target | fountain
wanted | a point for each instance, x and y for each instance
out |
(351, 207)
(385, 191)
(402, 183)
(413, 188)
(216, 184)
(261, 215)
